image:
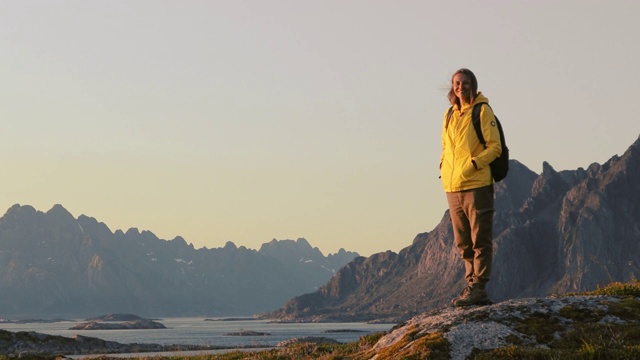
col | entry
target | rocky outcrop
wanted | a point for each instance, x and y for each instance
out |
(543, 323)
(553, 233)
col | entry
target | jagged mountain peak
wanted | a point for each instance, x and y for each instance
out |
(229, 245)
(550, 186)
(547, 168)
(300, 243)
(132, 232)
(59, 214)
(144, 236)
(549, 177)
(623, 166)
(289, 248)
(92, 225)
(179, 240)
(21, 210)
(59, 209)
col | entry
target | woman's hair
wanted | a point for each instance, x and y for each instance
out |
(453, 99)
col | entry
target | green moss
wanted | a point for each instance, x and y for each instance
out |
(513, 352)
(514, 340)
(524, 353)
(593, 337)
(540, 325)
(628, 308)
(578, 314)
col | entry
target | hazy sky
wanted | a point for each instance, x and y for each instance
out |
(246, 121)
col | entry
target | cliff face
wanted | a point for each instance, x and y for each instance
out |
(553, 233)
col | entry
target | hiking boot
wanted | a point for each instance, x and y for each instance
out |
(472, 295)
(463, 294)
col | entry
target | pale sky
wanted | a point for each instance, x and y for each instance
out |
(246, 121)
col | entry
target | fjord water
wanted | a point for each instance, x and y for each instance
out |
(197, 331)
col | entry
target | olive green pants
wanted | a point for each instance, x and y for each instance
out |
(471, 214)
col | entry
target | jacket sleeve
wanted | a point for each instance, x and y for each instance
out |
(491, 136)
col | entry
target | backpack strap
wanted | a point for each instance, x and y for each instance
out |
(449, 113)
(475, 119)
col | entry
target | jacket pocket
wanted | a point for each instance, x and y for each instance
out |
(468, 171)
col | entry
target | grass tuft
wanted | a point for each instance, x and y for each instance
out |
(631, 288)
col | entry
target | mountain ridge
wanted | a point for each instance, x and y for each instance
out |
(54, 264)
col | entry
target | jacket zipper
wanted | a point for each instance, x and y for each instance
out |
(453, 151)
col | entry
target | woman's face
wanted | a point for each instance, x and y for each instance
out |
(462, 87)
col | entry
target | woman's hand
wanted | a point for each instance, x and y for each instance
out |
(469, 169)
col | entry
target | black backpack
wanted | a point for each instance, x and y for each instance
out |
(499, 166)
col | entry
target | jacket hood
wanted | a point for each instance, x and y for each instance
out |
(480, 98)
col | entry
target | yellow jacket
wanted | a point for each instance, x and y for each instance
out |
(461, 148)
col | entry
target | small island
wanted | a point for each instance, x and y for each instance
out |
(119, 322)
(335, 331)
(232, 319)
(116, 317)
(247, 333)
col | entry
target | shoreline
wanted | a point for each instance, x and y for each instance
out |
(167, 353)
(182, 336)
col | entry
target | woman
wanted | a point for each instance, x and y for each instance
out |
(467, 181)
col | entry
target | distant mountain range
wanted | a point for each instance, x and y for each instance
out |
(555, 232)
(54, 265)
